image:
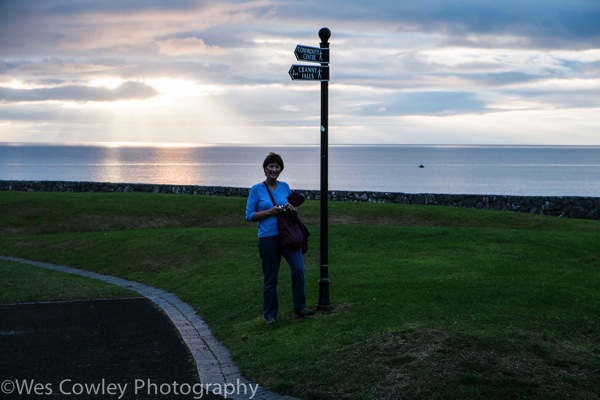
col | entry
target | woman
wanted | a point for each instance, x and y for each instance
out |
(260, 208)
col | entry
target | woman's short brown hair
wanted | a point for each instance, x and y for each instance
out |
(273, 158)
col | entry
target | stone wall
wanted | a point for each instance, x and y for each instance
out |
(564, 206)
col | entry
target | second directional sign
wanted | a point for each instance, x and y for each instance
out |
(303, 72)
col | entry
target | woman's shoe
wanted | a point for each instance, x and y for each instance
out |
(303, 312)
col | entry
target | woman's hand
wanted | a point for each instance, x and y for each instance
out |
(276, 210)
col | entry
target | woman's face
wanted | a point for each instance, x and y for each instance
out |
(272, 171)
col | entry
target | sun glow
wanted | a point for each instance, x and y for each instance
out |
(176, 115)
(174, 87)
(110, 83)
(17, 84)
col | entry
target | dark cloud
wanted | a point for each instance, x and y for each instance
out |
(30, 25)
(546, 24)
(69, 7)
(126, 91)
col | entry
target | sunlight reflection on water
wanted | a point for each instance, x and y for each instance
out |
(514, 170)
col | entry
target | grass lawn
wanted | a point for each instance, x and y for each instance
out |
(20, 283)
(430, 302)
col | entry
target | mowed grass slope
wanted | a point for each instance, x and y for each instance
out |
(430, 302)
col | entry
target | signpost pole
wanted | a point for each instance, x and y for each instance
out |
(324, 302)
(306, 72)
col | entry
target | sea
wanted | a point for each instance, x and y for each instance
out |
(450, 169)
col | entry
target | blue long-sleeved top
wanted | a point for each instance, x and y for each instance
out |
(259, 200)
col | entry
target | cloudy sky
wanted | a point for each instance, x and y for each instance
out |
(407, 72)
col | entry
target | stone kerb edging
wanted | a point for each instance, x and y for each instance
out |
(558, 206)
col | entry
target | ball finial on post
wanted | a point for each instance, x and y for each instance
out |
(324, 34)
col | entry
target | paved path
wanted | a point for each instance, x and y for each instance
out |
(213, 360)
(123, 348)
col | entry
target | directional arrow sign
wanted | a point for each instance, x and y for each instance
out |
(309, 73)
(311, 54)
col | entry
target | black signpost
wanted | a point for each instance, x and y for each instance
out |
(319, 73)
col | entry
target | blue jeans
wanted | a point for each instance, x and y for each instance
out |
(270, 251)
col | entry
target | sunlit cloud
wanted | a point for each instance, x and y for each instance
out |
(187, 47)
(111, 83)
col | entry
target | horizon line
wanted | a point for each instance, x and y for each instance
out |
(192, 145)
